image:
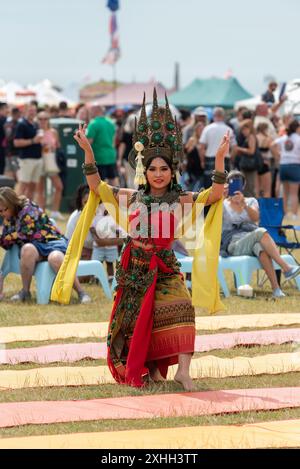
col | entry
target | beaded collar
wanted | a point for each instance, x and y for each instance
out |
(169, 197)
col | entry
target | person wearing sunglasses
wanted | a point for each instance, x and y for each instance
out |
(29, 227)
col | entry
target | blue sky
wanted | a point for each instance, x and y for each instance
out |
(65, 40)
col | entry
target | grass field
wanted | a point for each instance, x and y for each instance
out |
(99, 310)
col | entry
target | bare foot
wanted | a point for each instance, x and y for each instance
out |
(156, 376)
(185, 381)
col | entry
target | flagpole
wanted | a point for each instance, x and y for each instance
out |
(114, 70)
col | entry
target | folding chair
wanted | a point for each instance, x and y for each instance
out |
(271, 216)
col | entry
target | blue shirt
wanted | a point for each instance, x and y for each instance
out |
(27, 130)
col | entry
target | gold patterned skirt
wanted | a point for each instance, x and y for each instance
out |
(172, 315)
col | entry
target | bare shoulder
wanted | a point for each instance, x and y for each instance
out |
(122, 192)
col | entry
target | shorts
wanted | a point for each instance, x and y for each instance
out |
(30, 170)
(264, 170)
(44, 249)
(107, 171)
(290, 173)
(248, 245)
(11, 164)
(108, 254)
(50, 167)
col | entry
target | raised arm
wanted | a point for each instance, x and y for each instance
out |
(218, 187)
(90, 169)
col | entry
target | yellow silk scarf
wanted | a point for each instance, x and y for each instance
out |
(205, 265)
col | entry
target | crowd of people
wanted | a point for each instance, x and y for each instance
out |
(263, 148)
(152, 324)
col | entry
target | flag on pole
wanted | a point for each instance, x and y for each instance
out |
(113, 53)
(113, 5)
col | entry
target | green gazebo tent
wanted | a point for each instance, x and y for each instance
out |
(210, 92)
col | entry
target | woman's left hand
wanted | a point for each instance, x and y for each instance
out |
(223, 149)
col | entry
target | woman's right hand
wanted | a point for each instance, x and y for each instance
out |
(82, 139)
(239, 199)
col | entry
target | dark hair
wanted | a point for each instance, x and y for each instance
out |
(15, 110)
(185, 114)
(157, 156)
(247, 114)
(82, 190)
(292, 127)
(3, 105)
(63, 106)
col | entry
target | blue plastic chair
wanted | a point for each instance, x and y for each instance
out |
(186, 267)
(241, 266)
(45, 275)
(244, 266)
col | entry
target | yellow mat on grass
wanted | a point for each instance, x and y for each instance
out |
(204, 367)
(280, 434)
(42, 332)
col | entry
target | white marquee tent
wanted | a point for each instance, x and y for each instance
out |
(44, 92)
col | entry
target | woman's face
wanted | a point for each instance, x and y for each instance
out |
(158, 174)
(5, 211)
(43, 120)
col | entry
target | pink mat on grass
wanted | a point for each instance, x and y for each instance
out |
(204, 343)
(162, 405)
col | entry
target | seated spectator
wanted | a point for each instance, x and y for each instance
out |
(80, 201)
(26, 225)
(242, 237)
(107, 237)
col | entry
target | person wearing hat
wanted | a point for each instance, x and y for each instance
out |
(152, 325)
(198, 115)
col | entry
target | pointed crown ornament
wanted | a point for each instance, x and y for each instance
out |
(157, 136)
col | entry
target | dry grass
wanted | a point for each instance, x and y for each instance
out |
(99, 310)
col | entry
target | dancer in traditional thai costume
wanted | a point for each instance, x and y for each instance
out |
(152, 324)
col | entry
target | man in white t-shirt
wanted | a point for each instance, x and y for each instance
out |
(209, 142)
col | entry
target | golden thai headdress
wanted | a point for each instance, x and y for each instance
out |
(159, 135)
